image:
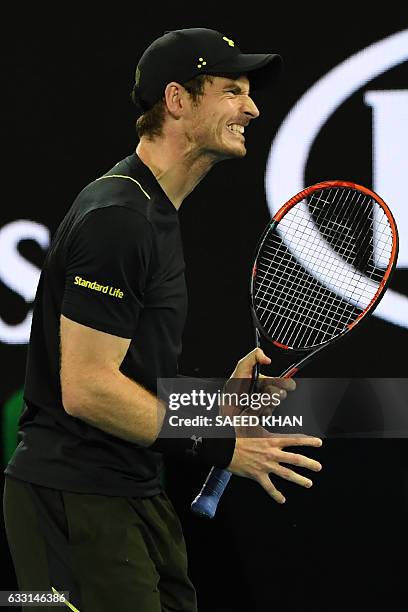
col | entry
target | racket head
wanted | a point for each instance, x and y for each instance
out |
(322, 265)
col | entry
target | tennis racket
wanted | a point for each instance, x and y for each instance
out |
(321, 266)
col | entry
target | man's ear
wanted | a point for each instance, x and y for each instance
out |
(175, 97)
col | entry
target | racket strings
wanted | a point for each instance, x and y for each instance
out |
(322, 267)
(304, 310)
(360, 227)
(337, 304)
(286, 272)
(283, 302)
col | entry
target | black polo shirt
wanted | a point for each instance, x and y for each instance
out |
(115, 264)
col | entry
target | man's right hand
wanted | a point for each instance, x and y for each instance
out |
(257, 457)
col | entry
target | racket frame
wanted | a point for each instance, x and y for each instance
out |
(302, 356)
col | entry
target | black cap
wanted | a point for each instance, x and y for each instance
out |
(181, 55)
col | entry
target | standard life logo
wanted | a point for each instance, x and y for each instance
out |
(290, 150)
(113, 291)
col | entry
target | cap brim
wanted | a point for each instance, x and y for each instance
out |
(263, 69)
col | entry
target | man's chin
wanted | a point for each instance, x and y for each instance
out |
(235, 152)
(228, 152)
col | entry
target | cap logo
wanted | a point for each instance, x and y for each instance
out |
(229, 41)
(201, 62)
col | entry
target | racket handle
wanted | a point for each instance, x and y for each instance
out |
(257, 368)
(254, 379)
(206, 502)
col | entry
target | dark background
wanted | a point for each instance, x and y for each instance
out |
(66, 119)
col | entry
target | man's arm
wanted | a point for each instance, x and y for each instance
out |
(95, 391)
(96, 332)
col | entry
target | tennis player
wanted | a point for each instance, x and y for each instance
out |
(84, 509)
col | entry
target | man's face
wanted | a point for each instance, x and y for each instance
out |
(217, 123)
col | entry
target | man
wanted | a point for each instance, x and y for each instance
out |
(83, 505)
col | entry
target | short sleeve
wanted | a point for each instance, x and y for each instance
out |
(107, 268)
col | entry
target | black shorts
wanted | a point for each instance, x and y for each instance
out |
(110, 553)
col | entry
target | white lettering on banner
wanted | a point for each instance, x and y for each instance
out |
(290, 149)
(20, 275)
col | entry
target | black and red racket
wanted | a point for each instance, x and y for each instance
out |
(322, 265)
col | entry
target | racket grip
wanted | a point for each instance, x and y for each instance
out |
(206, 502)
(254, 379)
(257, 368)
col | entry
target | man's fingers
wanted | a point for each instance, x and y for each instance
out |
(269, 487)
(287, 384)
(299, 460)
(246, 364)
(299, 440)
(280, 386)
(265, 386)
(292, 476)
(258, 356)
